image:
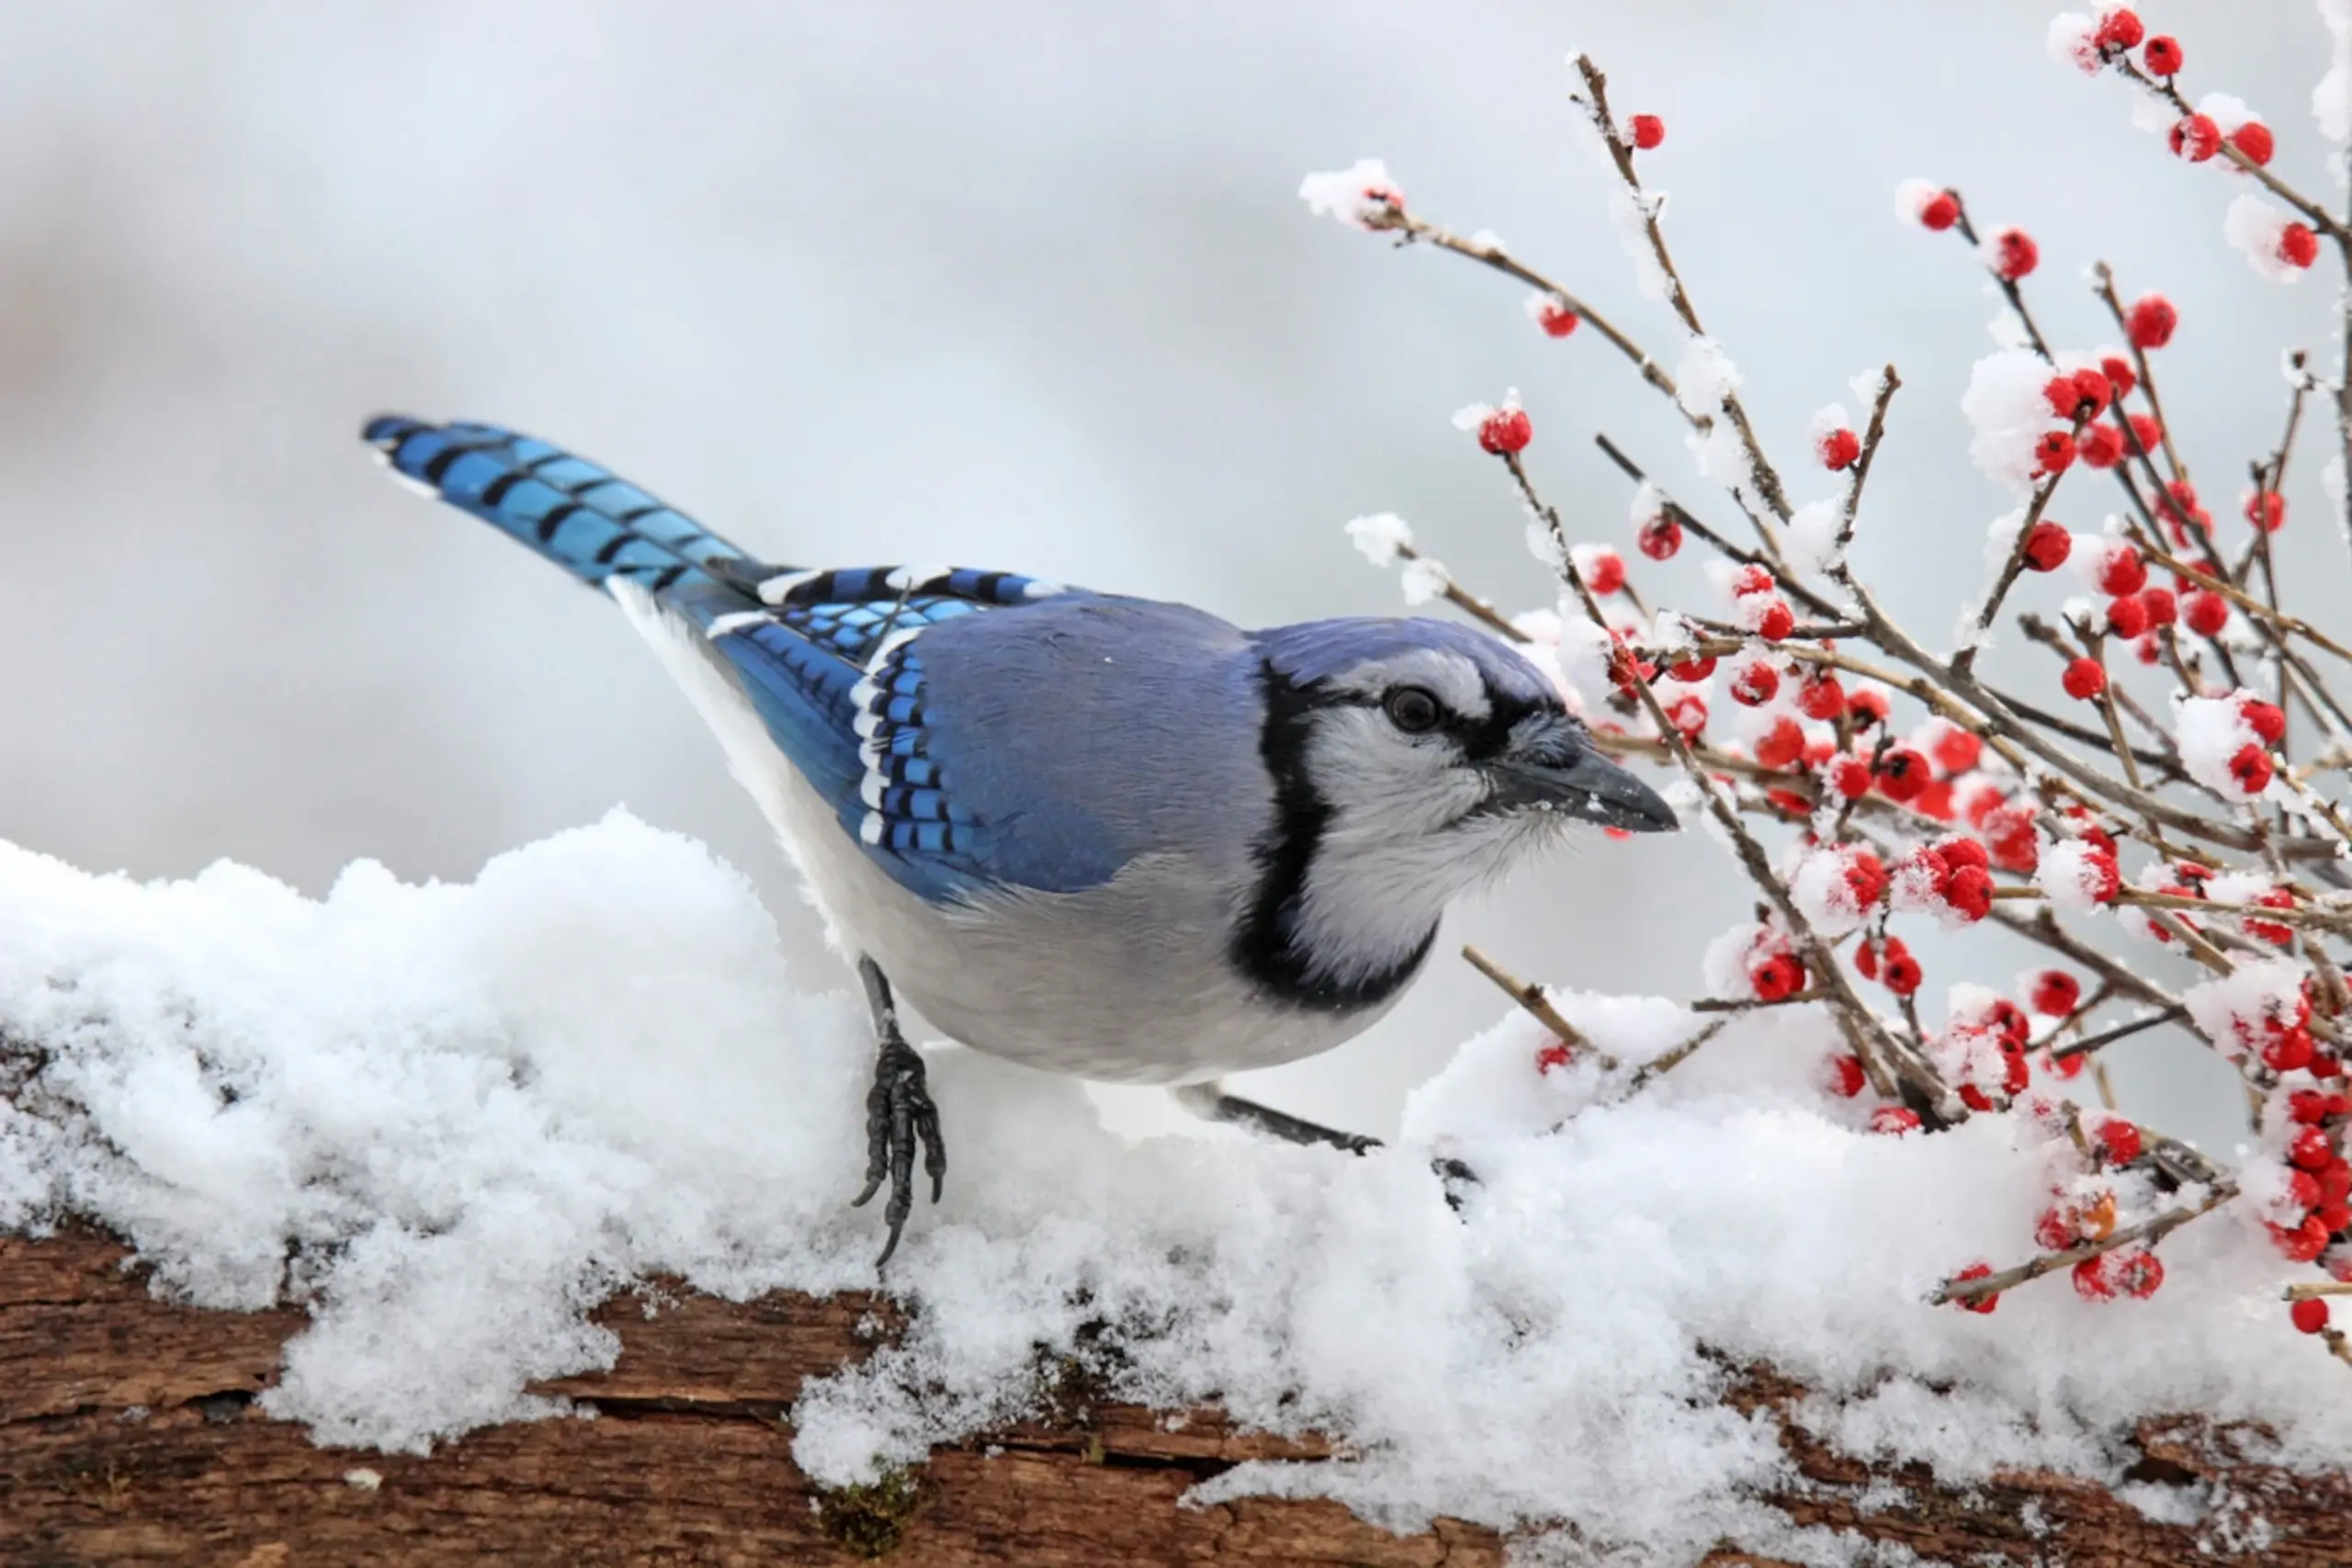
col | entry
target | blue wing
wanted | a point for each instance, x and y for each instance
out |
(829, 659)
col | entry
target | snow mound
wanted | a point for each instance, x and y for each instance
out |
(450, 1118)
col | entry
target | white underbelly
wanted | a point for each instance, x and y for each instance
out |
(1125, 983)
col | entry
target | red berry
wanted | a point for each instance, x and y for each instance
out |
(1839, 448)
(2253, 139)
(2055, 453)
(2196, 138)
(2301, 1243)
(2107, 877)
(2136, 1272)
(2266, 719)
(2119, 1140)
(2309, 1315)
(2015, 254)
(1783, 744)
(1900, 970)
(2123, 573)
(1688, 714)
(1903, 773)
(2311, 1151)
(2151, 321)
(1850, 777)
(2126, 617)
(2290, 1051)
(1555, 1055)
(1555, 317)
(1756, 684)
(2298, 246)
(2060, 393)
(2162, 607)
(1820, 697)
(1777, 621)
(2266, 509)
(2047, 545)
(1691, 670)
(1753, 579)
(1956, 749)
(1940, 211)
(2120, 376)
(2309, 1107)
(1845, 1079)
(1970, 892)
(2091, 1281)
(2205, 613)
(2056, 993)
(1866, 878)
(2084, 679)
(1957, 852)
(1659, 538)
(1778, 977)
(1976, 1303)
(2252, 769)
(2091, 393)
(1896, 1119)
(1867, 707)
(2163, 55)
(1606, 573)
(2101, 447)
(1505, 431)
(2118, 29)
(1648, 130)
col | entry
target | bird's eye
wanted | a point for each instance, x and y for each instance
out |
(1413, 710)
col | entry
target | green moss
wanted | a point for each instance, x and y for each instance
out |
(870, 1520)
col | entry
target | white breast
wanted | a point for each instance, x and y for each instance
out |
(1125, 983)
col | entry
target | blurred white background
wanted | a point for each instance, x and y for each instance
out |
(1022, 286)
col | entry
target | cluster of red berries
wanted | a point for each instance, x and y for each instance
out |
(2319, 1180)
(1755, 596)
(1889, 962)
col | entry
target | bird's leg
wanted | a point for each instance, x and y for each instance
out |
(1211, 1103)
(899, 1111)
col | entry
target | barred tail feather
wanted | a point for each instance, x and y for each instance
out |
(592, 524)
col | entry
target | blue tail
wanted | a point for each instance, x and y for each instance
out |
(592, 524)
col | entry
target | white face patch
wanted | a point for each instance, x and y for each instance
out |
(1452, 676)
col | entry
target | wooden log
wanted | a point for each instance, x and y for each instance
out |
(129, 1435)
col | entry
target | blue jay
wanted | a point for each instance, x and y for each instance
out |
(1097, 835)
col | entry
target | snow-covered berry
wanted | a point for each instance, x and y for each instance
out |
(1756, 684)
(1551, 313)
(2014, 254)
(2101, 446)
(2309, 1315)
(2254, 140)
(1837, 448)
(1982, 1303)
(1845, 1079)
(2053, 452)
(2298, 246)
(1896, 1119)
(2163, 56)
(2205, 613)
(2122, 572)
(2196, 138)
(2251, 768)
(1603, 571)
(2119, 1140)
(2047, 545)
(1850, 777)
(1775, 620)
(2084, 679)
(1820, 696)
(1903, 773)
(2151, 321)
(2267, 720)
(1555, 1055)
(1691, 670)
(1648, 130)
(1777, 977)
(2119, 28)
(1782, 745)
(2055, 993)
(1505, 431)
(2311, 1150)
(1969, 893)
(1659, 538)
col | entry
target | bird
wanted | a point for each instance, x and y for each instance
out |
(1100, 835)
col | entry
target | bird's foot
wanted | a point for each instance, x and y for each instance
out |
(898, 1115)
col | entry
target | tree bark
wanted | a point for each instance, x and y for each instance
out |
(128, 1436)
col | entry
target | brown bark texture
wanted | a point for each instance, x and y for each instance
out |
(128, 1435)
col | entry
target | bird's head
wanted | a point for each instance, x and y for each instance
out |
(1413, 760)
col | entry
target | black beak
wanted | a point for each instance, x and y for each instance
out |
(1591, 789)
